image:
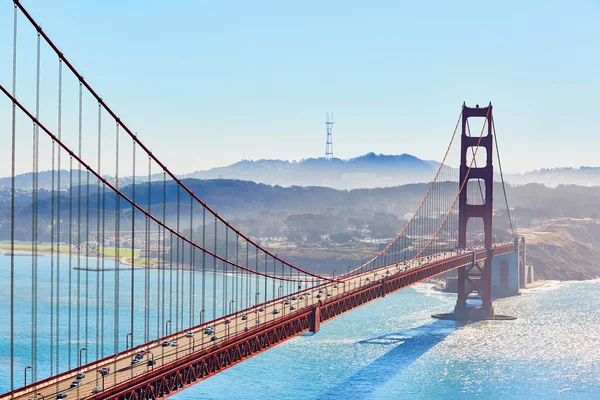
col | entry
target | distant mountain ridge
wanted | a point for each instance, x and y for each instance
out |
(367, 171)
(552, 177)
(364, 172)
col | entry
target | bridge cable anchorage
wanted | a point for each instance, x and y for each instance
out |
(462, 187)
(145, 149)
(502, 179)
(414, 216)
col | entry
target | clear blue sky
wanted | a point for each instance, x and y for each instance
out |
(204, 83)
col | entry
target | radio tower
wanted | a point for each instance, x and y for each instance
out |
(329, 143)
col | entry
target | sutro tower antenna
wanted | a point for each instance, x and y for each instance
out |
(329, 143)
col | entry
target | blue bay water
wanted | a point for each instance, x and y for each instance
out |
(388, 349)
(393, 349)
(101, 329)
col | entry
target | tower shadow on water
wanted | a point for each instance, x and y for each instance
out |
(406, 347)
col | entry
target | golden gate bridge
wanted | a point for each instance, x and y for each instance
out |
(150, 290)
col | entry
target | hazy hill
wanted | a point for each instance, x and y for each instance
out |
(583, 176)
(367, 171)
(336, 226)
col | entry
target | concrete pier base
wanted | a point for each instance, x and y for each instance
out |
(473, 314)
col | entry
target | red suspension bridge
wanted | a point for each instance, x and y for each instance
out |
(132, 254)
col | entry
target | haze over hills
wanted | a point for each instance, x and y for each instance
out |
(364, 172)
(552, 177)
(367, 171)
(377, 170)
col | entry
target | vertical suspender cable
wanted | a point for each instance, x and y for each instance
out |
(203, 311)
(170, 277)
(178, 266)
(160, 271)
(58, 216)
(214, 314)
(164, 249)
(247, 276)
(103, 254)
(12, 209)
(147, 296)
(52, 233)
(87, 258)
(237, 271)
(266, 281)
(70, 322)
(256, 279)
(98, 274)
(35, 216)
(132, 297)
(274, 293)
(52, 263)
(117, 255)
(78, 317)
(192, 273)
(224, 272)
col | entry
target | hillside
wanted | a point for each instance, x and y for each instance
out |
(564, 248)
(325, 228)
(368, 171)
(552, 177)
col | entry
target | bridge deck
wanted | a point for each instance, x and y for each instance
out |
(252, 329)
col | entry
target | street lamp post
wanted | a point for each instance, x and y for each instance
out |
(234, 317)
(25, 373)
(102, 374)
(115, 368)
(201, 323)
(193, 339)
(256, 298)
(167, 327)
(81, 350)
(127, 340)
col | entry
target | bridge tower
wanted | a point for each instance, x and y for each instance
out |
(475, 281)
